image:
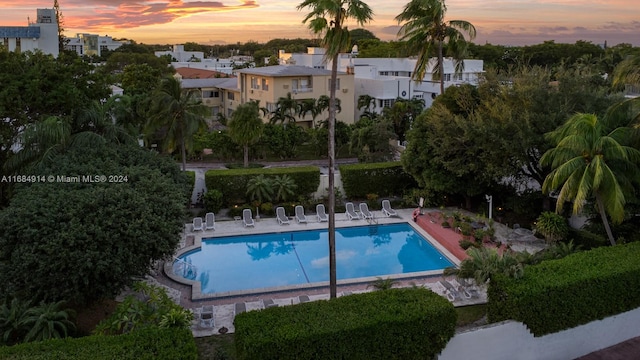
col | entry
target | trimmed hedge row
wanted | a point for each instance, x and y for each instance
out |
(151, 343)
(233, 183)
(192, 180)
(560, 294)
(390, 324)
(383, 179)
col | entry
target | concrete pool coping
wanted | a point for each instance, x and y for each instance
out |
(270, 225)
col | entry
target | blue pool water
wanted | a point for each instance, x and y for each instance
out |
(279, 259)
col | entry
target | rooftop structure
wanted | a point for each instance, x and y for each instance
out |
(41, 35)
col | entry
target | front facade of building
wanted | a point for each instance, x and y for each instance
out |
(91, 44)
(41, 35)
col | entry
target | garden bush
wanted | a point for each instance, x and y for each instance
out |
(560, 294)
(384, 179)
(233, 183)
(213, 200)
(586, 239)
(151, 344)
(391, 324)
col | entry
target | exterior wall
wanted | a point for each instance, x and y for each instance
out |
(280, 86)
(180, 55)
(512, 340)
(41, 35)
(221, 65)
(91, 44)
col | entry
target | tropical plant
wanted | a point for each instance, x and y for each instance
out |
(382, 284)
(12, 317)
(426, 32)
(591, 160)
(552, 226)
(286, 110)
(284, 187)
(260, 188)
(328, 17)
(245, 127)
(483, 263)
(178, 113)
(627, 72)
(48, 321)
(151, 306)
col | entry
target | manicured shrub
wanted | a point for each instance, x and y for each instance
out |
(586, 239)
(213, 201)
(390, 324)
(151, 344)
(233, 183)
(559, 294)
(383, 179)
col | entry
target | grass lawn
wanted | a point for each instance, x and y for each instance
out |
(220, 347)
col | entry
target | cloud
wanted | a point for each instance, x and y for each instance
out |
(120, 14)
(323, 262)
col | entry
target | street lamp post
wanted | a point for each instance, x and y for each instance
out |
(490, 201)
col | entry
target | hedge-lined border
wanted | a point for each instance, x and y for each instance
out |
(383, 179)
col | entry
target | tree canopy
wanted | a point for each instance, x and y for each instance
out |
(84, 241)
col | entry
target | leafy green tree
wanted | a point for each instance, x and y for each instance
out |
(245, 127)
(100, 235)
(627, 72)
(426, 33)
(48, 321)
(589, 160)
(140, 79)
(328, 17)
(282, 141)
(179, 114)
(370, 140)
(358, 35)
(260, 188)
(402, 113)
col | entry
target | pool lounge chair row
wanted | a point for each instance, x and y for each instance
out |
(281, 216)
(365, 213)
(209, 222)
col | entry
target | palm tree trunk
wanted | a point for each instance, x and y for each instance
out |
(332, 195)
(183, 150)
(441, 66)
(246, 156)
(605, 221)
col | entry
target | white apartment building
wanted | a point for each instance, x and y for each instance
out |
(179, 55)
(91, 44)
(41, 35)
(386, 79)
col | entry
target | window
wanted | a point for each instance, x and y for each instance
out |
(447, 77)
(265, 84)
(300, 85)
(207, 94)
(215, 111)
(386, 102)
(229, 113)
(271, 107)
(254, 83)
(18, 44)
(337, 84)
(457, 77)
(5, 41)
(231, 96)
(384, 73)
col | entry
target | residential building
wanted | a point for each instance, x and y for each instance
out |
(41, 35)
(179, 55)
(268, 84)
(386, 79)
(195, 73)
(91, 44)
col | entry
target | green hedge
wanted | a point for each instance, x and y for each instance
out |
(383, 179)
(192, 180)
(390, 324)
(560, 294)
(586, 239)
(233, 183)
(152, 343)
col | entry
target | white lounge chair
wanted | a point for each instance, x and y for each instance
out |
(269, 303)
(206, 316)
(210, 221)
(303, 299)
(350, 211)
(322, 215)
(240, 307)
(247, 218)
(197, 224)
(387, 210)
(281, 216)
(364, 211)
(300, 216)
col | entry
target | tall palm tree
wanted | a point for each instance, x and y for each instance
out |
(179, 112)
(286, 110)
(588, 160)
(627, 72)
(327, 18)
(426, 32)
(245, 127)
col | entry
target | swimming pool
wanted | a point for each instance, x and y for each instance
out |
(238, 263)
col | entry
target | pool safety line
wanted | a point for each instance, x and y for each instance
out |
(298, 257)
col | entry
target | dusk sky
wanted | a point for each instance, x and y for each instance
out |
(500, 22)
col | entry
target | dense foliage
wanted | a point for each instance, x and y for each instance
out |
(233, 184)
(83, 241)
(383, 179)
(150, 344)
(559, 294)
(390, 324)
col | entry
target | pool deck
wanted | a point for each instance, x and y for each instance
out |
(445, 240)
